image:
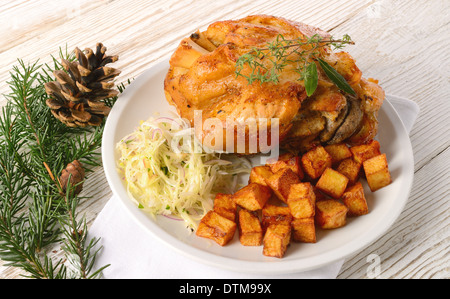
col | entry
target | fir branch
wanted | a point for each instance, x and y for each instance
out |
(34, 148)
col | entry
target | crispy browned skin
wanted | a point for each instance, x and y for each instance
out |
(202, 77)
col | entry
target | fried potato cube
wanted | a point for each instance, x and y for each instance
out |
(282, 157)
(301, 200)
(287, 160)
(338, 152)
(304, 230)
(253, 196)
(319, 194)
(355, 200)
(377, 172)
(281, 181)
(217, 228)
(365, 151)
(272, 214)
(330, 214)
(332, 183)
(276, 240)
(351, 169)
(260, 174)
(225, 205)
(315, 161)
(250, 230)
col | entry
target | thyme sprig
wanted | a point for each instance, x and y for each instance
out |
(34, 148)
(268, 62)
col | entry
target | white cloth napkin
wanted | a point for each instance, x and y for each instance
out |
(133, 254)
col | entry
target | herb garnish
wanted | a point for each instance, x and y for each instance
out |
(334, 76)
(267, 63)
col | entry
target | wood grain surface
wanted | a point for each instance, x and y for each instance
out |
(403, 43)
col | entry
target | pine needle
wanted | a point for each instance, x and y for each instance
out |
(34, 149)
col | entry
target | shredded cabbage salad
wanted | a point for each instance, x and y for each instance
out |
(166, 172)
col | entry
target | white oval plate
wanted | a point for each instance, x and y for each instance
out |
(145, 96)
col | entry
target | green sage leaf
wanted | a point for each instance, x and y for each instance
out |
(337, 78)
(311, 78)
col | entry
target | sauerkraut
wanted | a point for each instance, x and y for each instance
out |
(166, 171)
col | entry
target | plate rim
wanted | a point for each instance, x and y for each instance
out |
(280, 267)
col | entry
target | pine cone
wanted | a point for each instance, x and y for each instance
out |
(76, 97)
(75, 171)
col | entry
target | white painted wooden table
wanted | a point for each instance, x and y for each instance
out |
(403, 43)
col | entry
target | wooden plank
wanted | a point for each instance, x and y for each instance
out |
(23, 20)
(145, 31)
(141, 32)
(403, 43)
(410, 58)
(419, 239)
